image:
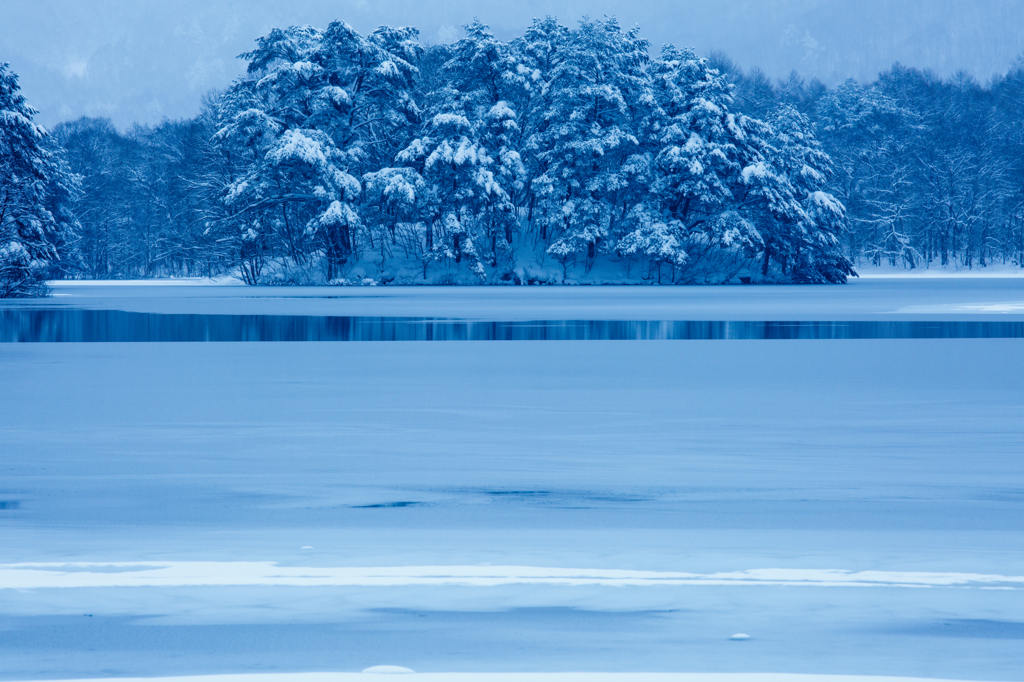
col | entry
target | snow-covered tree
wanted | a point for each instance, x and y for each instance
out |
(737, 185)
(868, 138)
(702, 146)
(598, 92)
(393, 196)
(36, 189)
(657, 240)
(706, 161)
(501, 135)
(455, 168)
(318, 109)
(465, 154)
(480, 75)
(533, 58)
(808, 245)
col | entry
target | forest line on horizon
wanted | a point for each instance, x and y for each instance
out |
(563, 155)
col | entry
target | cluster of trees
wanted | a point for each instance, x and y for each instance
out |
(930, 170)
(145, 200)
(568, 146)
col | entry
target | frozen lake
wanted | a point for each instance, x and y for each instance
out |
(853, 503)
(876, 298)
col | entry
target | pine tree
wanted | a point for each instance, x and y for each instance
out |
(598, 94)
(809, 244)
(455, 168)
(703, 153)
(481, 74)
(36, 190)
(319, 109)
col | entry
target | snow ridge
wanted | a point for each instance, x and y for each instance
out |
(199, 573)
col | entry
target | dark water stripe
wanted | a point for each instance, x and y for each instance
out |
(34, 326)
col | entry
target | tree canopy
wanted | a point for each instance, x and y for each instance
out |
(565, 154)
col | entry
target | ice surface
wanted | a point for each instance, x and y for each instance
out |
(475, 481)
(874, 298)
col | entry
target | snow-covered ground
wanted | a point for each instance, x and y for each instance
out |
(935, 270)
(372, 674)
(855, 507)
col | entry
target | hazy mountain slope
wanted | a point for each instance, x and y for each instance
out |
(136, 61)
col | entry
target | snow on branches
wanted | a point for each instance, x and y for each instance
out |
(572, 144)
(36, 190)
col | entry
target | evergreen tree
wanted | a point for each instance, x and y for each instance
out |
(812, 243)
(598, 95)
(319, 109)
(455, 168)
(37, 187)
(481, 75)
(702, 149)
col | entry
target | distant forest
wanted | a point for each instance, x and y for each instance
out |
(563, 155)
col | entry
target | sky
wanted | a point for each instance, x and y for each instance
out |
(141, 61)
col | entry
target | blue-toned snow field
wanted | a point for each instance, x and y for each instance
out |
(853, 504)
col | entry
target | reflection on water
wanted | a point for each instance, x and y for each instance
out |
(28, 326)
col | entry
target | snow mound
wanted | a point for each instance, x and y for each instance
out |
(388, 669)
